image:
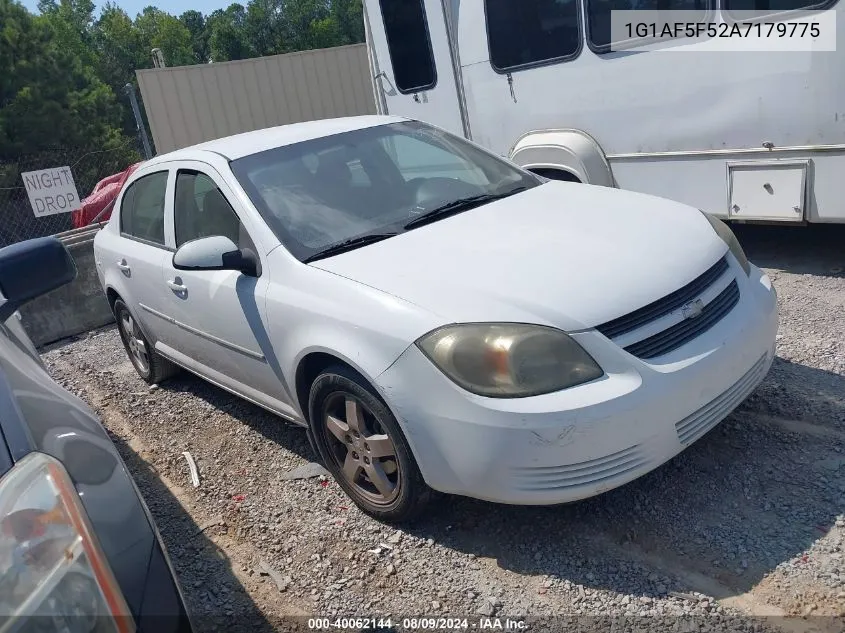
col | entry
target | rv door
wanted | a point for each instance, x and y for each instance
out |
(414, 68)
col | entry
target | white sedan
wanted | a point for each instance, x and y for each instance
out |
(437, 317)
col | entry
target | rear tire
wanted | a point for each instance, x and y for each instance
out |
(361, 444)
(151, 367)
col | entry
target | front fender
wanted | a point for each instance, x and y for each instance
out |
(569, 150)
(316, 311)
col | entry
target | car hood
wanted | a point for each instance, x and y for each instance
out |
(562, 254)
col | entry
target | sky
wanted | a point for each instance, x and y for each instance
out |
(174, 7)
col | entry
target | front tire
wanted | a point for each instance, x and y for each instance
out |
(361, 444)
(151, 367)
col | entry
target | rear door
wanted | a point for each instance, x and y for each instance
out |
(142, 249)
(413, 61)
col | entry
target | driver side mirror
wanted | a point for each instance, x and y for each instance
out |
(31, 269)
(215, 253)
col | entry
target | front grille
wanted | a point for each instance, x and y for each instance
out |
(667, 304)
(589, 473)
(683, 332)
(694, 426)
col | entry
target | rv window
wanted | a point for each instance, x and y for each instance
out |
(409, 44)
(598, 15)
(774, 6)
(524, 33)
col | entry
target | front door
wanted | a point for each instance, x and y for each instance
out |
(220, 313)
(413, 63)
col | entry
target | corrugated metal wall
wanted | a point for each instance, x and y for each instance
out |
(189, 104)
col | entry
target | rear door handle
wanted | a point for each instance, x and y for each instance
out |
(122, 265)
(176, 285)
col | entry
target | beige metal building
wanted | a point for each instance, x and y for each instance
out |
(186, 105)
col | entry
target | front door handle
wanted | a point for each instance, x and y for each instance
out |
(176, 285)
(124, 267)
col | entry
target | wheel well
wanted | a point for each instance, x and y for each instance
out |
(112, 296)
(555, 174)
(309, 368)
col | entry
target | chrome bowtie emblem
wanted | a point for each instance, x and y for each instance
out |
(693, 309)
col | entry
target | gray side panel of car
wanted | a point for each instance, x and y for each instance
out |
(7, 413)
(42, 416)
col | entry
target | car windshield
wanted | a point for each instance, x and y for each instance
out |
(374, 181)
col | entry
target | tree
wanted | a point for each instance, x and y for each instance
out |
(324, 33)
(48, 96)
(120, 47)
(161, 30)
(196, 24)
(70, 22)
(262, 26)
(349, 16)
(228, 36)
(120, 51)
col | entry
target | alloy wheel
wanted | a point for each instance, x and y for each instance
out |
(135, 342)
(364, 452)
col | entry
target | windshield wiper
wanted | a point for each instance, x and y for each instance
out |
(459, 206)
(348, 245)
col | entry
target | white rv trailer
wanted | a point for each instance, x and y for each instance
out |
(744, 135)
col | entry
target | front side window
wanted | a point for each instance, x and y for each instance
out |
(409, 44)
(598, 15)
(142, 208)
(376, 180)
(201, 210)
(524, 33)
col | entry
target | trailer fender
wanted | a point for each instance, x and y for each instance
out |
(571, 151)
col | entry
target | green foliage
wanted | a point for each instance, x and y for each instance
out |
(161, 30)
(262, 26)
(119, 46)
(195, 22)
(227, 40)
(49, 96)
(62, 72)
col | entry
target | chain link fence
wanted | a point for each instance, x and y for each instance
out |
(17, 219)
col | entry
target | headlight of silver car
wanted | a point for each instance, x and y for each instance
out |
(724, 231)
(509, 360)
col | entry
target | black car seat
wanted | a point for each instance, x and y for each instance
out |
(186, 210)
(218, 218)
(335, 179)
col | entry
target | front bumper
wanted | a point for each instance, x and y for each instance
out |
(583, 441)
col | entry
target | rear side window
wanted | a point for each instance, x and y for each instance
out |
(598, 15)
(524, 33)
(142, 208)
(409, 44)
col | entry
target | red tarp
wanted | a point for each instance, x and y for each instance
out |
(103, 196)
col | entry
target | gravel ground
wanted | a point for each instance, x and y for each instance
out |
(747, 522)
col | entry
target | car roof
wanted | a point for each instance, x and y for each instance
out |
(240, 145)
